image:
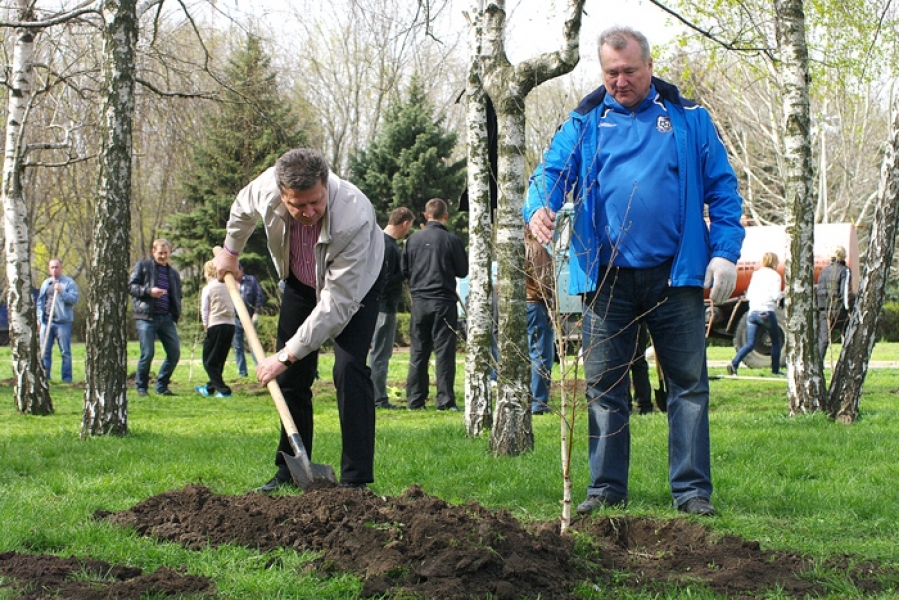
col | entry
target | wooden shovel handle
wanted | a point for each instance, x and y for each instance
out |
(258, 351)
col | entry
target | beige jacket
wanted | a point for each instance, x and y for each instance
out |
(348, 255)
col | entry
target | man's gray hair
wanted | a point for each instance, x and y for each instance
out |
(617, 38)
(300, 169)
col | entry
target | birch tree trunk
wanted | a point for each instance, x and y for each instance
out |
(478, 410)
(849, 374)
(106, 358)
(805, 382)
(30, 387)
(508, 85)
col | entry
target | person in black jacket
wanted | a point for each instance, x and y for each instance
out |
(433, 259)
(398, 226)
(155, 288)
(834, 297)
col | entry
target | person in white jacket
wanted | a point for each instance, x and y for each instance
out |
(764, 292)
(326, 245)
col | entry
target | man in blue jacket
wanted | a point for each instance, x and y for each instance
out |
(56, 308)
(645, 168)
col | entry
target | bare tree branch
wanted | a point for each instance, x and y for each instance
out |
(88, 7)
(176, 94)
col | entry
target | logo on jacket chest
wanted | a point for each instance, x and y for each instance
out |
(663, 124)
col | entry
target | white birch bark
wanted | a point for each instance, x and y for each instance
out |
(478, 409)
(105, 400)
(508, 85)
(804, 369)
(849, 374)
(30, 387)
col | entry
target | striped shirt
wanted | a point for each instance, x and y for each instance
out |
(302, 250)
(161, 305)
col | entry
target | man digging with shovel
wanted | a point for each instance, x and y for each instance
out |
(326, 245)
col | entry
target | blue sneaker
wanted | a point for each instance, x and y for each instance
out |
(221, 395)
(201, 389)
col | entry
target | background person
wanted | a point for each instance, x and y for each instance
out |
(639, 375)
(217, 314)
(539, 288)
(764, 292)
(834, 297)
(155, 288)
(325, 242)
(398, 226)
(644, 166)
(253, 299)
(64, 291)
(433, 259)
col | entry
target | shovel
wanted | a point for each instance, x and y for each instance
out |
(302, 470)
(49, 324)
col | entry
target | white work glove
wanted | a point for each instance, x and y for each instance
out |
(721, 276)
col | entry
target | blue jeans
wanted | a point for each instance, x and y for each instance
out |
(381, 351)
(768, 321)
(239, 356)
(540, 345)
(163, 327)
(62, 334)
(674, 316)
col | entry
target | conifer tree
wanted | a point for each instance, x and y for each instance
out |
(410, 160)
(243, 135)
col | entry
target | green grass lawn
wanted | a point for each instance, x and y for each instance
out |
(803, 484)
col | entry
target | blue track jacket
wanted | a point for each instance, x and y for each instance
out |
(705, 179)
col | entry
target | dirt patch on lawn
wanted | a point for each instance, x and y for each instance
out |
(36, 577)
(418, 544)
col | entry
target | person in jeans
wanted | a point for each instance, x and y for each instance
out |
(155, 288)
(538, 283)
(644, 168)
(56, 308)
(764, 292)
(398, 225)
(217, 314)
(433, 259)
(253, 299)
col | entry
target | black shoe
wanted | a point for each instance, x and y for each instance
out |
(166, 392)
(452, 408)
(353, 485)
(697, 506)
(274, 484)
(594, 502)
(731, 370)
(142, 393)
(540, 411)
(387, 405)
(422, 407)
(644, 410)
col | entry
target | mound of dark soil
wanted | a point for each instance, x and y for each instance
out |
(46, 576)
(419, 544)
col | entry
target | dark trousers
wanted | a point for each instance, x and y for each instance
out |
(216, 345)
(352, 380)
(433, 326)
(639, 375)
(828, 322)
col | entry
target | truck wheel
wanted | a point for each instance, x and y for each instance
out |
(760, 357)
